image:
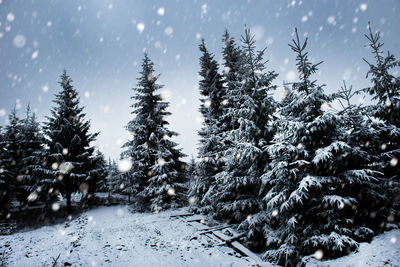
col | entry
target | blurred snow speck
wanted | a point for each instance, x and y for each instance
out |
(35, 54)
(124, 165)
(168, 31)
(2, 112)
(45, 88)
(55, 206)
(161, 11)
(363, 6)
(171, 191)
(331, 20)
(319, 254)
(140, 27)
(290, 75)
(19, 41)
(258, 31)
(10, 17)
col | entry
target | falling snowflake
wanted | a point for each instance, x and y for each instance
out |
(55, 206)
(290, 75)
(140, 27)
(319, 254)
(168, 31)
(161, 11)
(363, 6)
(331, 20)
(171, 191)
(161, 162)
(35, 54)
(10, 17)
(124, 165)
(19, 41)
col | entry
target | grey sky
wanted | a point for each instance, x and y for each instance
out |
(101, 43)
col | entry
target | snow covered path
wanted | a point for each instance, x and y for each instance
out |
(113, 236)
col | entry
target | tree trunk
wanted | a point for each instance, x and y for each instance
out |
(69, 208)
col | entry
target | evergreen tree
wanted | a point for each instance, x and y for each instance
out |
(98, 175)
(68, 140)
(310, 189)
(385, 90)
(32, 146)
(157, 171)
(113, 181)
(237, 186)
(6, 177)
(13, 155)
(211, 108)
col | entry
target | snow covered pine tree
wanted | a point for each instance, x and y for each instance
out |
(157, 171)
(237, 186)
(32, 147)
(386, 90)
(310, 190)
(70, 156)
(211, 108)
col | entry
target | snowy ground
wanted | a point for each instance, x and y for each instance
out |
(384, 250)
(113, 236)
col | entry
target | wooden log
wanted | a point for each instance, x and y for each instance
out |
(181, 215)
(238, 247)
(231, 239)
(211, 229)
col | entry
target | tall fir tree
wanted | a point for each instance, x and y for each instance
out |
(211, 108)
(6, 177)
(13, 155)
(310, 189)
(68, 140)
(385, 89)
(157, 170)
(32, 147)
(237, 186)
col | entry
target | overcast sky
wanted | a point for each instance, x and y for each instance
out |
(101, 44)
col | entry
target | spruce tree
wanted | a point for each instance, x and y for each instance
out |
(385, 89)
(68, 141)
(237, 186)
(6, 177)
(157, 171)
(211, 108)
(32, 147)
(310, 189)
(13, 155)
(96, 180)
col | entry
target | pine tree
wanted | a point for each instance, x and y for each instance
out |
(13, 155)
(237, 186)
(157, 171)
(385, 90)
(113, 181)
(6, 177)
(68, 140)
(310, 189)
(373, 201)
(211, 108)
(32, 147)
(97, 178)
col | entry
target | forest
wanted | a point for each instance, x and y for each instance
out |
(310, 173)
